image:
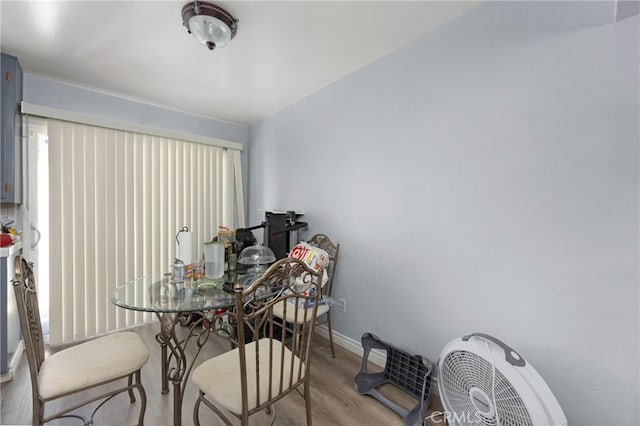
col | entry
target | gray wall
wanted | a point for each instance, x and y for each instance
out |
(70, 97)
(483, 178)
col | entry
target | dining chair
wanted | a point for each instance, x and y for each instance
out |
(102, 361)
(324, 309)
(262, 368)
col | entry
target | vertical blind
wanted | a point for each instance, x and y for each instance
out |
(117, 199)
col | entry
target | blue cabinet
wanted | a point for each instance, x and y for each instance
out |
(11, 124)
(10, 334)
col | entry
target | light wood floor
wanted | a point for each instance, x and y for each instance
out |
(334, 399)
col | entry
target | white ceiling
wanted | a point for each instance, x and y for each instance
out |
(283, 50)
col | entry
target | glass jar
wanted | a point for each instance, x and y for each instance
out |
(228, 237)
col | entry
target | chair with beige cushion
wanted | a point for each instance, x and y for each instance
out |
(324, 310)
(261, 369)
(105, 360)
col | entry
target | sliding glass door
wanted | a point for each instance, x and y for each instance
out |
(117, 199)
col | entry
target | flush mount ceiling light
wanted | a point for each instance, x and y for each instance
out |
(211, 25)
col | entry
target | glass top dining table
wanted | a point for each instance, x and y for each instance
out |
(161, 294)
(176, 304)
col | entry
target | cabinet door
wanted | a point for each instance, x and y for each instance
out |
(10, 331)
(11, 141)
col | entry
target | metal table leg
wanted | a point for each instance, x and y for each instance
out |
(175, 365)
(164, 362)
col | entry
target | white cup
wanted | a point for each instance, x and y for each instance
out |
(214, 259)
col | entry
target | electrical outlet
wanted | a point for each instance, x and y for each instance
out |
(342, 304)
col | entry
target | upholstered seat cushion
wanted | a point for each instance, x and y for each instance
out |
(303, 315)
(90, 363)
(219, 377)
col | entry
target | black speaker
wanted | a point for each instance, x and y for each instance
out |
(281, 231)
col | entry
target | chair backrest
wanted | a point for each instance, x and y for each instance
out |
(333, 249)
(24, 285)
(282, 348)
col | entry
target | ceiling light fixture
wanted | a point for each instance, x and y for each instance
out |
(211, 25)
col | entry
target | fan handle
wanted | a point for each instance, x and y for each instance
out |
(510, 354)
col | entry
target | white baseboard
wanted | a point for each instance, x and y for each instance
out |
(17, 356)
(7, 376)
(376, 356)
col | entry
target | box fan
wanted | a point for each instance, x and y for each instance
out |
(484, 382)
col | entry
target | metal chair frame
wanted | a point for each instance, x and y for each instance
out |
(28, 311)
(253, 319)
(324, 242)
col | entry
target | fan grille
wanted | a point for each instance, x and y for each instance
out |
(462, 371)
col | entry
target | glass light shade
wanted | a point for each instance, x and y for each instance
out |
(256, 255)
(209, 29)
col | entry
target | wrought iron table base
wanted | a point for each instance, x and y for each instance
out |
(175, 366)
